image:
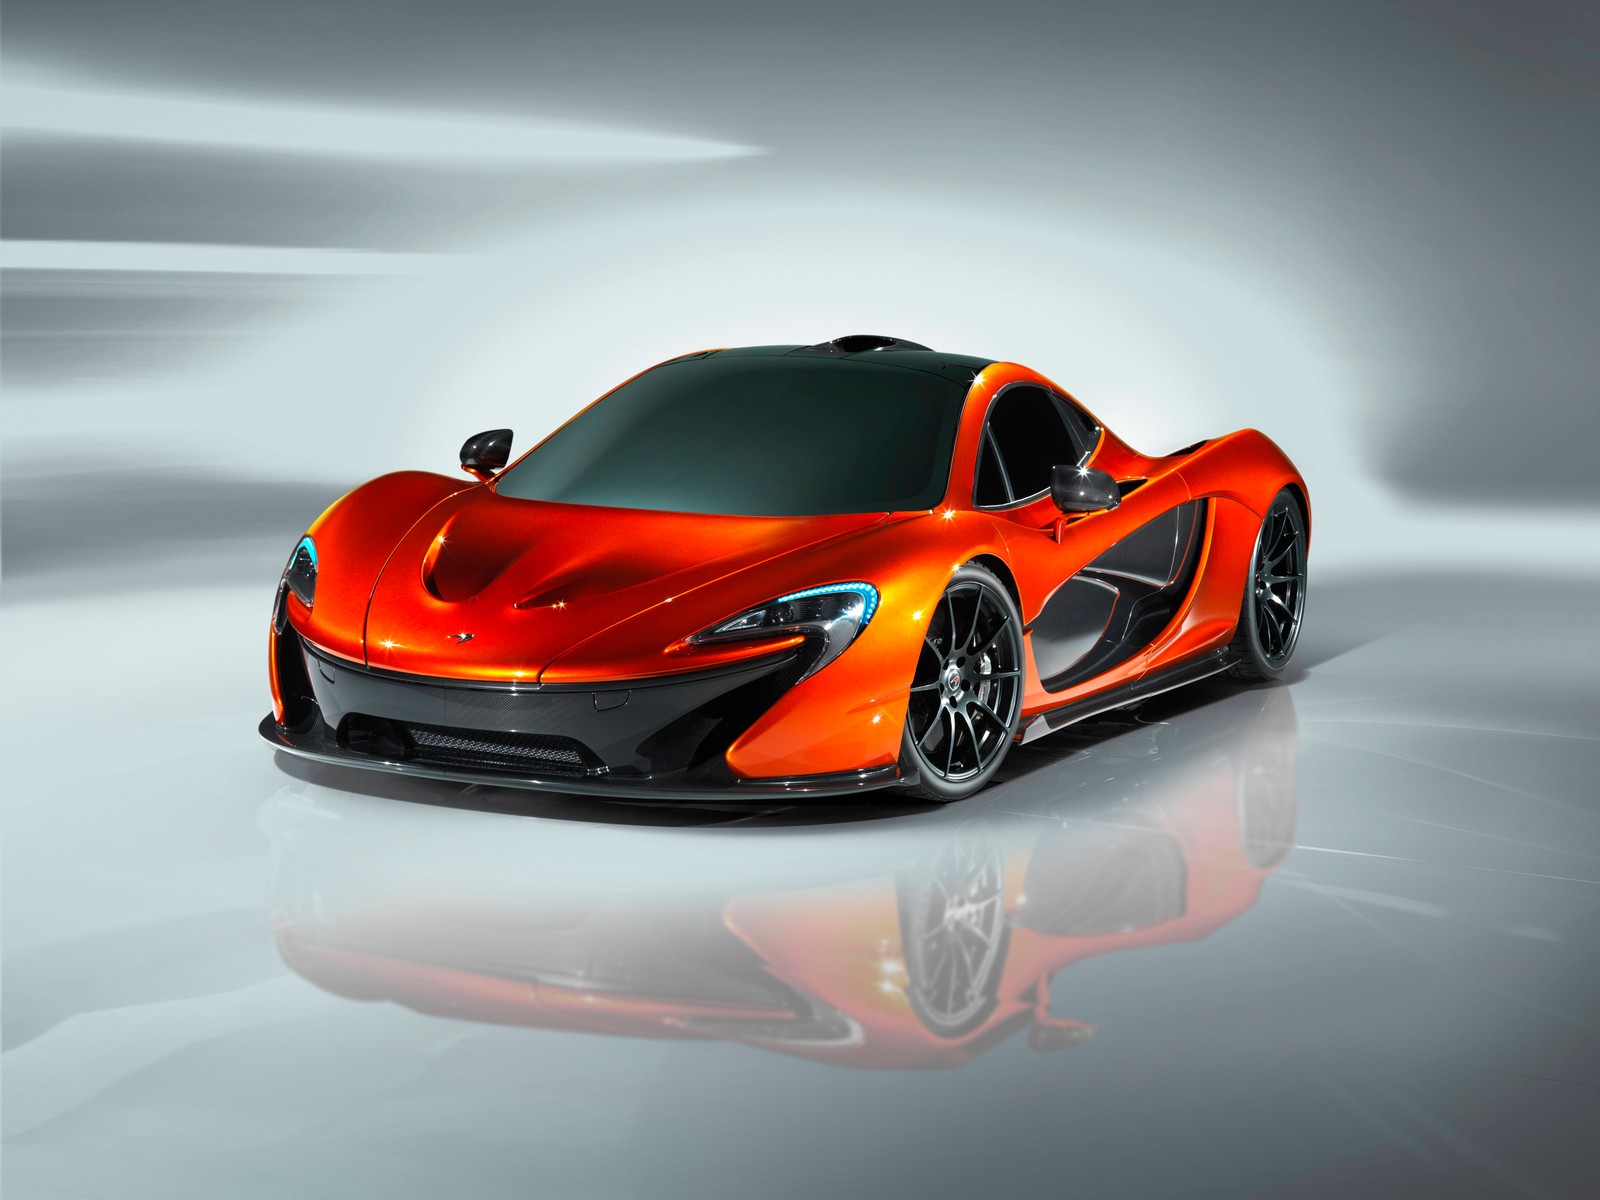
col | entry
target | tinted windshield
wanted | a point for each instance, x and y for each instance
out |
(755, 436)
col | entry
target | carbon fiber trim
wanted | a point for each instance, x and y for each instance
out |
(472, 748)
(316, 745)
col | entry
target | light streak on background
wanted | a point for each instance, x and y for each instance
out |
(332, 130)
(197, 259)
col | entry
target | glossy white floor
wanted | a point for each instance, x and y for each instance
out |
(1332, 938)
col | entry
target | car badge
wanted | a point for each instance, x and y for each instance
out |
(459, 637)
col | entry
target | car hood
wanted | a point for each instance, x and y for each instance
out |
(527, 580)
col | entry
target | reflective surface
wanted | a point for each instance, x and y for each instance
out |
(1331, 936)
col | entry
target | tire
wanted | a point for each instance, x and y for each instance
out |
(1274, 595)
(966, 694)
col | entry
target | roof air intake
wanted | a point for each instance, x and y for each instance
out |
(855, 343)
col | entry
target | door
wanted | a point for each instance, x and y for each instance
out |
(1097, 596)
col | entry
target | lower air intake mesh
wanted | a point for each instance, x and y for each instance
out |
(537, 753)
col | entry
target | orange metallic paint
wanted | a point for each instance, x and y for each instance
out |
(577, 594)
(355, 538)
(272, 677)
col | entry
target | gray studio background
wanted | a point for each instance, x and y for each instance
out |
(255, 253)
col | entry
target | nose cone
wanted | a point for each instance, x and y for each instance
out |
(493, 588)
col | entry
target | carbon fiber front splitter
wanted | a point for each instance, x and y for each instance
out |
(318, 745)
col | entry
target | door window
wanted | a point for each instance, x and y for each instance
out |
(1029, 432)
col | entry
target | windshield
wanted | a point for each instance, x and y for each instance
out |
(755, 436)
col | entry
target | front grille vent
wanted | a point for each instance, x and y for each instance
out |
(535, 753)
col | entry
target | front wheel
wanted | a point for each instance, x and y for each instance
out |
(966, 695)
(1274, 594)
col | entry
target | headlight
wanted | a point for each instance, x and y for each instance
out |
(300, 576)
(833, 614)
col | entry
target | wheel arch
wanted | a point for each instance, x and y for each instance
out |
(1298, 491)
(1000, 570)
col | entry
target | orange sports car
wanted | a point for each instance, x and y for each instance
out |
(782, 571)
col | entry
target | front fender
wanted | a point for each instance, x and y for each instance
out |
(355, 538)
(849, 716)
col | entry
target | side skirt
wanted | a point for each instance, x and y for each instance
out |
(1051, 719)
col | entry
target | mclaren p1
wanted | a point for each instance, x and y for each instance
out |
(782, 571)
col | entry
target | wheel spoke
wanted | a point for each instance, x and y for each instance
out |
(1279, 542)
(977, 615)
(1005, 620)
(969, 968)
(977, 746)
(1284, 620)
(1276, 623)
(983, 908)
(990, 713)
(945, 965)
(1269, 638)
(955, 978)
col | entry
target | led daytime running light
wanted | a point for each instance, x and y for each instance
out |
(300, 576)
(830, 616)
(868, 594)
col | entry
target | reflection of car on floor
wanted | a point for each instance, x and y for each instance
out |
(782, 570)
(921, 945)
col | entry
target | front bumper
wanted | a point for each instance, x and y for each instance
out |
(653, 738)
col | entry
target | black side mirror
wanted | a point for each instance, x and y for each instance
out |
(483, 454)
(1083, 489)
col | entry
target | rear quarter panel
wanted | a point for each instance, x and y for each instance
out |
(1240, 474)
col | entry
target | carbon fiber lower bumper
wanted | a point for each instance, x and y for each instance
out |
(653, 738)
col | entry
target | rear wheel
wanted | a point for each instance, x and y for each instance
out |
(1274, 594)
(966, 695)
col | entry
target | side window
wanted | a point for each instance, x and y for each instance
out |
(1029, 432)
(990, 489)
(1085, 433)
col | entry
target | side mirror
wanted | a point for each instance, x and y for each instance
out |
(1083, 489)
(483, 454)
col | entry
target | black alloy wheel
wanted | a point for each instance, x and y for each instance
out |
(954, 932)
(1275, 594)
(966, 695)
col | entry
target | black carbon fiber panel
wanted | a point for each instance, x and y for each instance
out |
(545, 753)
